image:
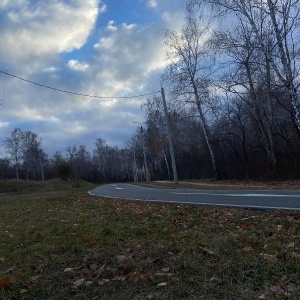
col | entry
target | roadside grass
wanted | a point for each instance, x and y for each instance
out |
(58, 242)
(212, 184)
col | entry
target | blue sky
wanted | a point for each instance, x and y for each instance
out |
(106, 48)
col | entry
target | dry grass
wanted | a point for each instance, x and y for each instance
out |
(57, 242)
(210, 184)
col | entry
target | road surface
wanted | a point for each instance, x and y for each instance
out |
(289, 200)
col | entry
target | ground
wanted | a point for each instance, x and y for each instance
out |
(58, 242)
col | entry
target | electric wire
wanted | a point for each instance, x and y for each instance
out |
(75, 93)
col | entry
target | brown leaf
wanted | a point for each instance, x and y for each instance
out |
(33, 267)
(98, 272)
(149, 280)
(296, 258)
(128, 270)
(138, 275)
(243, 225)
(206, 266)
(92, 242)
(4, 282)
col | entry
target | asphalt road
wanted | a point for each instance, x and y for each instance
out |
(289, 200)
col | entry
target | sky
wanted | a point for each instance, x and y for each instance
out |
(106, 48)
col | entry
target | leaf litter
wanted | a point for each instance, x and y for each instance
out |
(216, 248)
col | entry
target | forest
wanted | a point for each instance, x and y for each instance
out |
(232, 78)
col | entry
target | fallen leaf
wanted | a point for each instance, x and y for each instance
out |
(33, 267)
(163, 284)
(149, 279)
(157, 260)
(216, 279)
(163, 274)
(128, 270)
(102, 281)
(4, 282)
(204, 249)
(269, 257)
(92, 267)
(122, 259)
(68, 270)
(284, 278)
(78, 282)
(206, 266)
(291, 288)
(7, 271)
(247, 249)
(88, 283)
(296, 258)
(120, 278)
(35, 278)
(2, 259)
(98, 272)
(138, 275)
(166, 269)
(243, 226)
(275, 288)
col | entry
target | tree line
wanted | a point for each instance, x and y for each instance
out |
(232, 77)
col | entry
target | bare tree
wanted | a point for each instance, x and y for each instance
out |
(282, 19)
(14, 147)
(188, 71)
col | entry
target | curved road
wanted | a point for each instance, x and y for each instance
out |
(289, 200)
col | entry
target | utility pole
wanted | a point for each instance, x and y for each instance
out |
(170, 137)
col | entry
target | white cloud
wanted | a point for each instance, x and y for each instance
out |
(35, 31)
(38, 39)
(152, 3)
(77, 66)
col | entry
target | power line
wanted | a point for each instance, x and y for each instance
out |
(75, 93)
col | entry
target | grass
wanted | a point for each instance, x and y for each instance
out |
(58, 242)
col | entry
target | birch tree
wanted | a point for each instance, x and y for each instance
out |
(188, 69)
(282, 17)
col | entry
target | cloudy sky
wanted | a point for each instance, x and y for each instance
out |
(108, 48)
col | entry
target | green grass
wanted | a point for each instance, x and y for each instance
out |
(133, 250)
